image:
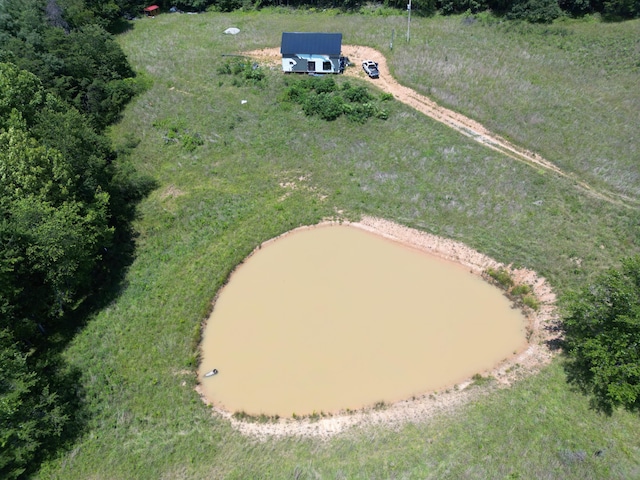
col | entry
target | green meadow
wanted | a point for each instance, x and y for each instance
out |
(236, 165)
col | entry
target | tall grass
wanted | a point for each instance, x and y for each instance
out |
(263, 168)
(567, 91)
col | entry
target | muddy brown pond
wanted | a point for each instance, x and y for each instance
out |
(334, 317)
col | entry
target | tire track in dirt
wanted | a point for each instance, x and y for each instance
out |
(462, 124)
(425, 105)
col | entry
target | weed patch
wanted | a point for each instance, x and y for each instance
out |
(176, 132)
(245, 71)
(261, 418)
(479, 381)
(381, 405)
(521, 294)
(501, 276)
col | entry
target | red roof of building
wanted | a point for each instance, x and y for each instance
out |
(151, 8)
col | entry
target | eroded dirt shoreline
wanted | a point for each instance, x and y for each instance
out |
(542, 330)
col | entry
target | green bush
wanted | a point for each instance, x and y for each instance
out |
(224, 69)
(243, 69)
(602, 338)
(326, 106)
(359, 113)
(323, 84)
(358, 94)
(253, 72)
(501, 276)
(535, 11)
(191, 141)
(382, 115)
(295, 93)
(175, 132)
(531, 302)
(323, 96)
(520, 290)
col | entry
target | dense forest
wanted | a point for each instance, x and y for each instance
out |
(66, 201)
(537, 11)
(72, 15)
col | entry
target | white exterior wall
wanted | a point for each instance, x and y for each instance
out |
(299, 63)
(288, 64)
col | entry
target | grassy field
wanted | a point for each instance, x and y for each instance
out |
(217, 201)
(567, 91)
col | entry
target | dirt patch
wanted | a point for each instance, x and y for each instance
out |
(542, 328)
(171, 192)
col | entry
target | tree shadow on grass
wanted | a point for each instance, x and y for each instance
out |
(581, 383)
(66, 416)
(122, 25)
(555, 341)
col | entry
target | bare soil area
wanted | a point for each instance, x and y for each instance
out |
(542, 333)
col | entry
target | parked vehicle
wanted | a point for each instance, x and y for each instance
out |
(371, 68)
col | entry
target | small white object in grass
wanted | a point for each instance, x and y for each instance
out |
(232, 31)
(243, 102)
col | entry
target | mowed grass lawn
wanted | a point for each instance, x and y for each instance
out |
(264, 168)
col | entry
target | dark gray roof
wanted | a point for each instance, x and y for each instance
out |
(307, 42)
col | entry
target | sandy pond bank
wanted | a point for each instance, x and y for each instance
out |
(420, 408)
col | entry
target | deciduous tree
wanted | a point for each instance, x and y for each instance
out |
(29, 411)
(602, 331)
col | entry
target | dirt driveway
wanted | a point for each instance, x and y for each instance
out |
(357, 54)
(472, 129)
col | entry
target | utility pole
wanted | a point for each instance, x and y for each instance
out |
(409, 22)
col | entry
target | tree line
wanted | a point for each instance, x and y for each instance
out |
(73, 14)
(536, 11)
(67, 198)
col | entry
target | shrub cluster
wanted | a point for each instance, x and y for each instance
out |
(519, 293)
(501, 276)
(324, 97)
(244, 70)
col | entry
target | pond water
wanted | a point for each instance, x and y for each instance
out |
(334, 317)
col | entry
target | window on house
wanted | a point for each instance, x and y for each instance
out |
(311, 66)
(326, 66)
